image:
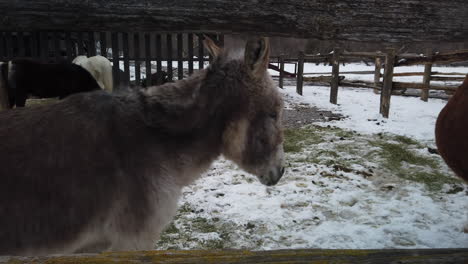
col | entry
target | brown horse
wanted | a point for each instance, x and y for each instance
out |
(100, 171)
(452, 132)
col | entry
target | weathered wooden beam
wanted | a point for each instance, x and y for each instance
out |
(281, 72)
(447, 79)
(322, 79)
(377, 74)
(386, 92)
(335, 76)
(456, 56)
(416, 256)
(357, 20)
(427, 77)
(300, 73)
(341, 72)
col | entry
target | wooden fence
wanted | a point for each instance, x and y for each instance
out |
(389, 59)
(136, 50)
(374, 256)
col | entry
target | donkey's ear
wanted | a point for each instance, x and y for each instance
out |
(257, 53)
(212, 48)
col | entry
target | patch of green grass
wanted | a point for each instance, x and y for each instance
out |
(402, 161)
(433, 180)
(396, 154)
(344, 133)
(202, 225)
(406, 140)
(295, 139)
(171, 229)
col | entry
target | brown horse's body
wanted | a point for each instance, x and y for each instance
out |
(452, 132)
(100, 171)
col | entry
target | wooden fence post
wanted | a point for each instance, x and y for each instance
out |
(300, 71)
(335, 81)
(281, 74)
(4, 102)
(377, 74)
(115, 58)
(427, 77)
(387, 83)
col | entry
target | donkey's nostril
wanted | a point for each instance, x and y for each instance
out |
(282, 171)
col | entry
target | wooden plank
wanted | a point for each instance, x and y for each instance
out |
(335, 76)
(386, 93)
(79, 40)
(21, 44)
(372, 55)
(180, 59)
(377, 74)
(448, 73)
(126, 56)
(136, 52)
(115, 58)
(2, 47)
(285, 73)
(148, 59)
(190, 52)
(4, 100)
(9, 45)
(169, 56)
(43, 45)
(281, 72)
(374, 256)
(70, 48)
(427, 77)
(103, 43)
(404, 85)
(323, 79)
(91, 44)
(201, 55)
(441, 58)
(56, 46)
(300, 70)
(363, 20)
(341, 72)
(158, 53)
(35, 44)
(447, 79)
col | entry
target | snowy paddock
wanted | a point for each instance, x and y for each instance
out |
(357, 183)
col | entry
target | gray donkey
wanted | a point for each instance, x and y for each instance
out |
(100, 171)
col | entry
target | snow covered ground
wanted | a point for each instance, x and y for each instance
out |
(361, 182)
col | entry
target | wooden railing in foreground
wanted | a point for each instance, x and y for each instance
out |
(375, 256)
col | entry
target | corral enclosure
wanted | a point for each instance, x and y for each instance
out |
(157, 49)
(144, 51)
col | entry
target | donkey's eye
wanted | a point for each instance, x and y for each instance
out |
(274, 116)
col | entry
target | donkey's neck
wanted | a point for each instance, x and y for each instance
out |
(198, 108)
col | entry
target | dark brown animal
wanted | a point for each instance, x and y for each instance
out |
(99, 171)
(452, 132)
(25, 77)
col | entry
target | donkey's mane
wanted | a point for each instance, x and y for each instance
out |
(210, 96)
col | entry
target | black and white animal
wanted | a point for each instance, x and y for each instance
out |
(27, 77)
(100, 68)
(104, 171)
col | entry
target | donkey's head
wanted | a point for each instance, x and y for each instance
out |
(254, 139)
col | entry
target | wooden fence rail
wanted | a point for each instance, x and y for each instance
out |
(402, 256)
(387, 85)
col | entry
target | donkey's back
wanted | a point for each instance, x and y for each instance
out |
(61, 201)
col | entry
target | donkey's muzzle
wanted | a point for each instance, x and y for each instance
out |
(274, 176)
